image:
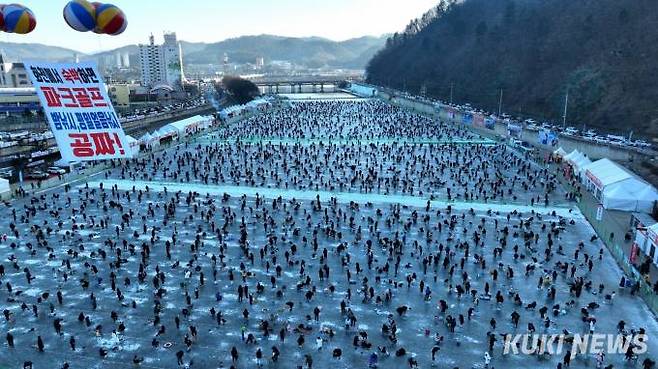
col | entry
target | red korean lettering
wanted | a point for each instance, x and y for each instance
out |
(52, 97)
(96, 96)
(65, 93)
(103, 143)
(82, 98)
(82, 147)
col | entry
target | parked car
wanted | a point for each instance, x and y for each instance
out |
(56, 170)
(6, 173)
(571, 131)
(37, 175)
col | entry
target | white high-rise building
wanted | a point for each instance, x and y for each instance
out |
(118, 60)
(126, 60)
(150, 58)
(162, 64)
(173, 60)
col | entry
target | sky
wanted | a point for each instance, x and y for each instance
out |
(216, 20)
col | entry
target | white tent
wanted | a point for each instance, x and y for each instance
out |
(571, 155)
(146, 138)
(155, 139)
(617, 188)
(167, 131)
(134, 145)
(232, 111)
(188, 126)
(577, 160)
(5, 190)
(363, 90)
(646, 240)
(581, 163)
(560, 153)
(256, 103)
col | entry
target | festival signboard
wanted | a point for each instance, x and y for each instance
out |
(79, 112)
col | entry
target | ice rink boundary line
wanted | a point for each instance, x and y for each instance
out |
(343, 197)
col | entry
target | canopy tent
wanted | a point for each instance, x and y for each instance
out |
(618, 188)
(560, 153)
(577, 160)
(133, 144)
(363, 90)
(5, 190)
(257, 103)
(652, 233)
(153, 139)
(572, 155)
(646, 239)
(146, 138)
(188, 126)
(235, 110)
(167, 131)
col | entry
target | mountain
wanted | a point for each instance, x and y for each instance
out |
(602, 52)
(311, 51)
(19, 52)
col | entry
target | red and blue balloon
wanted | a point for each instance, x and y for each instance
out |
(81, 15)
(17, 18)
(85, 16)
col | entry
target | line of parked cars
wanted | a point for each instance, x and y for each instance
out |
(155, 111)
(35, 173)
(590, 135)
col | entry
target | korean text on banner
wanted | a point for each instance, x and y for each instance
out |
(79, 111)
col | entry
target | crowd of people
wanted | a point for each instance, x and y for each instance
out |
(95, 276)
(461, 172)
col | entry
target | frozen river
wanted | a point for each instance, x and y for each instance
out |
(325, 243)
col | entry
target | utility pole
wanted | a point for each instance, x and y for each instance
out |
(452, 85)
(500, 103)
(566, 105)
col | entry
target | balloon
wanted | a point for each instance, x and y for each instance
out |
(18, 19)
(80, 15)
(110, 20)
(2, 17)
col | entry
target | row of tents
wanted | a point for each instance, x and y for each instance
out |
(254, 105)
(616, 187)
(5, 190)
(171, 132)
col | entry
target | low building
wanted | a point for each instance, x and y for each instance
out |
(119, 95)
(13, 75)
(18, 100)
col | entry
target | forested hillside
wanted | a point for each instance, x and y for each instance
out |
(603, 52)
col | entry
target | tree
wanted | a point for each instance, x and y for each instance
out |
(481, 29)
(240, 89)
(623, 16)
(534, 48)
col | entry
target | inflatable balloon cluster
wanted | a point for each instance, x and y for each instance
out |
(85, 16)
(16, 18)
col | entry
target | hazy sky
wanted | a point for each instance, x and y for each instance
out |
(215, 20)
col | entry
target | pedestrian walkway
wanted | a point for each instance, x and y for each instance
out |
(342, 197)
